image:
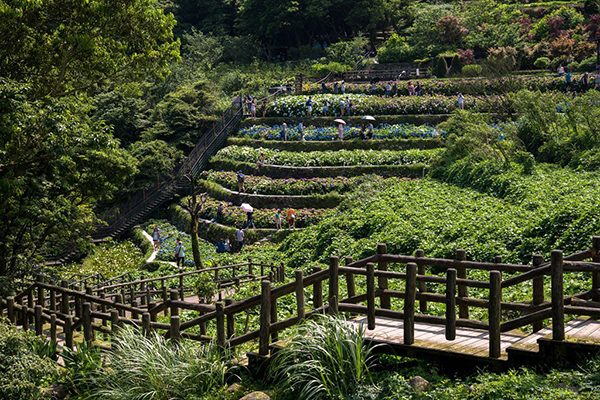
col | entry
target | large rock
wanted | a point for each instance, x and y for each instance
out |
(234, 387)
(256, 396)
(419, 384)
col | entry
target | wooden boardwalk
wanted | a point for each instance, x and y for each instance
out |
(430, 338)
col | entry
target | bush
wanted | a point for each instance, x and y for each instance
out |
(395, 49)
(327, 359)
(588, 65)
(574, 66)
(441, 67)
(472, 70)
(334, 67)
(542, 63)
(456, 65)
(22, 370)
(501, 60)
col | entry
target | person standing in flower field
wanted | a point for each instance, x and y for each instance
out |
(253, 109)
(343, 87)
(179, 254)
(278, 218)
(568, 79)
(370, 134)
(349, 106)
(362, 132)
(291, 217)
(309, 106)
(335, 88)
(240, 180)
(341, 131)
(418, 89)
(325, 107)
(394, 89)
(263, 109)
(283, 134)
(388, 90)
(461, 101)
(250, 220)
(156, 238)
(323, 88)
(411, 89)
(239, 238)
(301, 131)
(342, 107)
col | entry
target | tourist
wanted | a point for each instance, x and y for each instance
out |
(335, 88)
(341, 131)
(283, 133)
(227, 245)
(394, 89)
(261, 160)
(263, 108)
(388, 90)
(560, 70)
(179, 254)
(248, 101)
(219, 213)
(323, 88)
(373, 89)
(343, 87)
(370, 134)
(417, 73)
(156, 238)
(239, 238)
(568, 79)
(325, 107)
(221, 246)
(278, 223)
(461, 101)
(418, 89)
(250, 220)
(301, 131)
(309, 106)
(349, 106)
(585, 81)
(291, 217)
(240, 179)
(411, 88)
(362, 132)
(342, 107)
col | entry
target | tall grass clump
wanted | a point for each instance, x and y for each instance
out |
(327, 359)
(155, 369)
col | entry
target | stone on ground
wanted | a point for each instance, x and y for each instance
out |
(256, 396)
(418, 383)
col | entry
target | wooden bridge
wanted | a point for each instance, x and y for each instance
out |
(412, 305)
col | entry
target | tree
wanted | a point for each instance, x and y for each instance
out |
(441, 67)
(62, 47)
(451, 30)
(196, 204)
(55, 166)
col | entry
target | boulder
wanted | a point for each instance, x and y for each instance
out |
(419, 384)
(256, 396)
(234, 387)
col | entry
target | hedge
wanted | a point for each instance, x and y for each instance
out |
(415, 119)
(374, 144)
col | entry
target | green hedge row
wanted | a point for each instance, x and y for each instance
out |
(137, 237)
(278, 171)
(415, 119)
(218, 192)
(375, 144)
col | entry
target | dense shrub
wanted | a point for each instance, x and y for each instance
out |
(542, 63)
(440, 67)
(395, 49)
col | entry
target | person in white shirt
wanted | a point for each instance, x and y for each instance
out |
(239, 238)
(179, 254)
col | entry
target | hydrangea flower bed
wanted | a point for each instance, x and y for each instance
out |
(452, 87)
(383, 131)
(290, 186)
(328, 158)
(264, 218)
(170, 235)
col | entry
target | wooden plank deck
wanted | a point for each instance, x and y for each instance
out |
(474, 342)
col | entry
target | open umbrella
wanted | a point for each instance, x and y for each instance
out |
(340, 121)
(369, 118)
(246, 207)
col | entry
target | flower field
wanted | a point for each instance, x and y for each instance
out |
(452, 87)
(329, 158)
(264, 218)
(312, 133)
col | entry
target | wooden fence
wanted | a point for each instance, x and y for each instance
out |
(418, 275)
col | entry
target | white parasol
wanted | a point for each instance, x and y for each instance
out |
(246, 207)
(340, 121)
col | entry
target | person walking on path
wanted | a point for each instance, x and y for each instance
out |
(250, 220)
(253, 109)
(262, 160)
(301, 131)
(309, 107)
(343, 87)
(335, 88)
(568, 80)
(370, 134)
(349, 106)
(341, 131)
(388, 90)
(291, 217)
(283, 133)
(342, 107)
(394, 89)
(323, 88)
(179, 254)
(156, 238)
(240, 179)
(411, 88)
(278, 218)
(239, 238)
(461, 101)
(219, 217)
(263, 109)
(325, 107)
(362, 132)
(418, 89)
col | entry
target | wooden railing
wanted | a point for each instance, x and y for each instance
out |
(418, 275)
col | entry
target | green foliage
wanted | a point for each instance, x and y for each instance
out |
(456, 66)
(55, 165)
(395, 49)
(333, 67)
(23, 372)
(60, 48)
(326, 359)
(501, 60)
(542, 63)
(441, 67)
(205, 286)
(472, 70)
(84, 367)
(570, 19)
(347, 52)
(156, 160)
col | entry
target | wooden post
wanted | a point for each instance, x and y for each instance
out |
(38, 320)
(538, 290)
(53, 300)
(216, 275)
(494, 312)
(230, 320)
(68, 331)
(143, 290)
(596, 258)
(421, 285)
(220, 324)
(174, 333)
(451, 304)
(181, 294)
(250, 269)
(30, 302)
(25, 314)
(134, 314)
(146, 325)
(148, 297)
(114, 322)
(282, 273)
(10, 305)
(300, 294)
(64, 298)
(53, 336)
(265, 318)
(409, 303)
(370, 296)
(274, 335)
(119, 300)
(558, 307)
(174, 297)
(461, 272)
(262, 270)
(317, 290)
(350, 285)
(333, 297)
(88, 333)
(131, 295)
(382, 280)
(165, 297)
(41, 300)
